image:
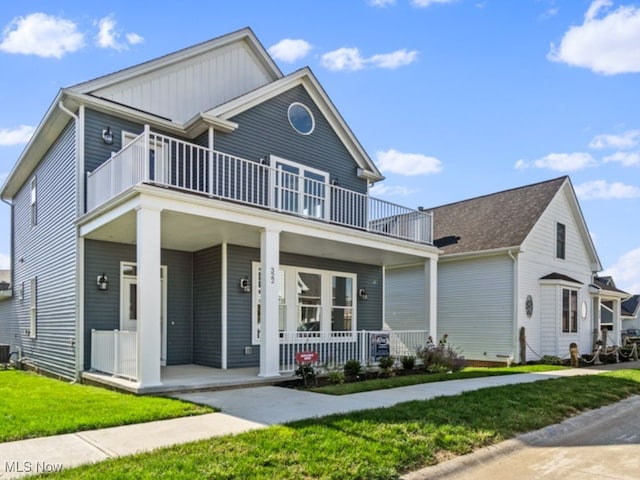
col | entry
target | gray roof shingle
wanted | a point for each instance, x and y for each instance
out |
(494, 221)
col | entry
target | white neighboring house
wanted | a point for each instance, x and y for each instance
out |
(5, 284)
(518, 259)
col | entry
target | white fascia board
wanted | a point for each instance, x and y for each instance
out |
(479, 254)
(45, 133)
(245, 34)
(596, 264)
(247, 215)
(305, 78)
(200, 122)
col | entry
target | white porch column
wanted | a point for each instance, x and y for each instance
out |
(431, 296)
(148, 296)
(269, 307)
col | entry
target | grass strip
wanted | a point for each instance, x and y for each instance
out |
(35, 406)
(418, 378)
(379, 443)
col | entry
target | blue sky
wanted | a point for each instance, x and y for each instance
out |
(452, 99)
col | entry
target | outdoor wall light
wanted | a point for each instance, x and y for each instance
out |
(107, 136)
(245, 286)
(103, 282)
(362, 293)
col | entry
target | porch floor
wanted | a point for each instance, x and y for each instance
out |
(188, 378)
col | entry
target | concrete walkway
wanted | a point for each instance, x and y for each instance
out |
(242, 410)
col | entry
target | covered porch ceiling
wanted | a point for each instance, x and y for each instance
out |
(190, 229)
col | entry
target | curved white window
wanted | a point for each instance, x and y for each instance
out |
(301, 118)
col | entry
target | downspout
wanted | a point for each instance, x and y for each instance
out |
(514, 343)
(79, 331)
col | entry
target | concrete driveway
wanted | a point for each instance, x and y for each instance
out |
(602, 444)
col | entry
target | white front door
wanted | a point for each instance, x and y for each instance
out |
(129, 304)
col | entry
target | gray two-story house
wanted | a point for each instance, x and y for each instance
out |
(201, 208)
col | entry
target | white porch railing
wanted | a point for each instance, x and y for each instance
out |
(334, 349)
(170, 162)
(115, 352)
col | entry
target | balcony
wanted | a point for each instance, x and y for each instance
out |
(276, 185)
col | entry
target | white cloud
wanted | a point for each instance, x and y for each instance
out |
(109, 37)
(603, 190)
(390, 191)
(606, 43)
(408, 164)
(627, 159)
(393, 60)
(625, 140)
(134, 38)
(343, 59)
(625, 272)
(381, 3)
(351, 59)
(17, 136)
(427, 3)
(561, 162)
(5, 262)
(290, 50)
(42, 35)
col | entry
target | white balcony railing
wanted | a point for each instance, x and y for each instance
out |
(170, 162)
(334, 349)
(115, 352)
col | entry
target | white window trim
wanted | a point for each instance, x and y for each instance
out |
(291, 302)
(313, 119)
(33, 308)
(273, 160)
(577, 312)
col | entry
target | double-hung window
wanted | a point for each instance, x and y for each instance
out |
(569, 311)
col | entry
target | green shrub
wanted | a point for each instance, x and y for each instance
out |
(307, 373)
(408, 362)
(386, 363)
(441, 358)
(336, 376)
(352, 368)
(550, 360)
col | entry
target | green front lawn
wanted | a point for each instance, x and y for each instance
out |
(36, 406)
(404, 381)
(380, 443)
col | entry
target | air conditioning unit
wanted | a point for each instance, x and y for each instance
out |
(4, 354)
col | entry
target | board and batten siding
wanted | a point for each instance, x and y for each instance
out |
(239, 323)
(102, 307)
(207, 302)
(47, 252)
(538, 259)
(475, 306)
(405, 303)
(265, 130)
(197, 84)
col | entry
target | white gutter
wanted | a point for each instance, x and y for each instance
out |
(79, 335)
(515, 306)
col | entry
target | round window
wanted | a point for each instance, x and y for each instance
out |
(301, 118)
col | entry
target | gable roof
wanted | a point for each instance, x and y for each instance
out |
(103, 94)
(309, 82)
(630, 306)
(606, 285)
(496, 221)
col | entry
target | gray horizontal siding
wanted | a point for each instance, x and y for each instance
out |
(265, 130)
(48, 252)
(369, 312)
(405, 305)
(102, 308)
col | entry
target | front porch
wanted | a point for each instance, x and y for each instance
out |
(186, 378)
(114, 359)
